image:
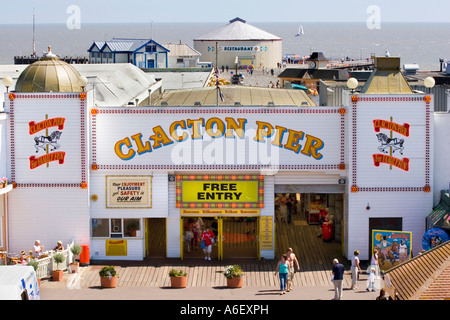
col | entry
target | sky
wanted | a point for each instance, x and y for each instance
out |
(147, 11)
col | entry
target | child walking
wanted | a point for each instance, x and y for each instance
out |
(371, 280)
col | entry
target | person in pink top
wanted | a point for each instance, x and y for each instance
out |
(207, 236)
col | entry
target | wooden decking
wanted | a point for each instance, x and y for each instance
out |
(315, 257)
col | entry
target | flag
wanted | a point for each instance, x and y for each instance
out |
(220, 94)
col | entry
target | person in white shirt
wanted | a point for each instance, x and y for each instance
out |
(37, 248)
(355, 269)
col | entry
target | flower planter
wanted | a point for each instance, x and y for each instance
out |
(178, 282)
(108, 282)
(57, 275)
(235, 282)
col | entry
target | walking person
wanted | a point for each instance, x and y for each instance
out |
(208, 237)
(371, 280)
(356, 269)
(374, 261)
(283, 272)
(338, 277)
(293, 262)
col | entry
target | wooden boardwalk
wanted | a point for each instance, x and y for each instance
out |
(315, 257)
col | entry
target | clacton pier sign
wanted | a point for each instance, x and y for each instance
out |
(258, 136)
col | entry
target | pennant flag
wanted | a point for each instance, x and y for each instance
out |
(220, 94)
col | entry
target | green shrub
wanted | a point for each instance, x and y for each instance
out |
(107, 271)
(177, 273)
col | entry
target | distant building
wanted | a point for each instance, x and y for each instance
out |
(251, 46)
(182, 56)
(143, 53)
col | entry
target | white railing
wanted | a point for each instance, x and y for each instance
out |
(46, 265)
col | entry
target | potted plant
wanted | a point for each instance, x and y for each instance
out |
(131, 227)
(108, 277)
(178, 278)
(57, 274)
(35, 264)
(235, 276)
(75, 265)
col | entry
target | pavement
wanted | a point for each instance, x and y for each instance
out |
(68, 289)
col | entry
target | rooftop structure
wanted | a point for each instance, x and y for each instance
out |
(238, 29)
(387, 78)
(236, 95)
(49, 74)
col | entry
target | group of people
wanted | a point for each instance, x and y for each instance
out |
(197, 235)
(338, 274)
(285, 206)
(286, 270)
(37, 252)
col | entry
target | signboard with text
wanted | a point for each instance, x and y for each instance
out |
(129, 192)
(221, 191)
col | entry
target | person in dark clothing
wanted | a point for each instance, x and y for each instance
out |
(338, 277)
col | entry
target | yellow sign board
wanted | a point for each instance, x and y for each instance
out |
(116, 247)
(208, 191)
(220, 212)
(266, 233)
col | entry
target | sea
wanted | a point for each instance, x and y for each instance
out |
(415, 43)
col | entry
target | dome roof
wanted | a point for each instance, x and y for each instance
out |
(238, 30)
(49, 74)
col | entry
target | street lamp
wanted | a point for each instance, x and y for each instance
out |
(429, 82)
(7, 82)
(352, 83)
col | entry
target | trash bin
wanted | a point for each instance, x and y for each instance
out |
(327, 231)
(85, 255)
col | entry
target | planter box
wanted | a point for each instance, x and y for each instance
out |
(74, 267)
(235, 282)
(108, 282)
(178, 282)
(57, 275)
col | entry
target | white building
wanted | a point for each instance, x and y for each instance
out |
(252, 46)
(181, 55)
(119, 178)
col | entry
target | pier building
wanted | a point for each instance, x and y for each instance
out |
(239, 44)
(130, 181)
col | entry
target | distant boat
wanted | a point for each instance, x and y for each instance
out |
(300, 31)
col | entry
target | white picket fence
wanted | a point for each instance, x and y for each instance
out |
(47, 264)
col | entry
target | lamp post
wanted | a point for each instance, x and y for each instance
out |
(352, 84)
(429, 82)
(7, 82)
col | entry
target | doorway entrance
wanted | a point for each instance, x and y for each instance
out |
(235, 237)
(156, 237)
(240, 237)
(299, 218)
